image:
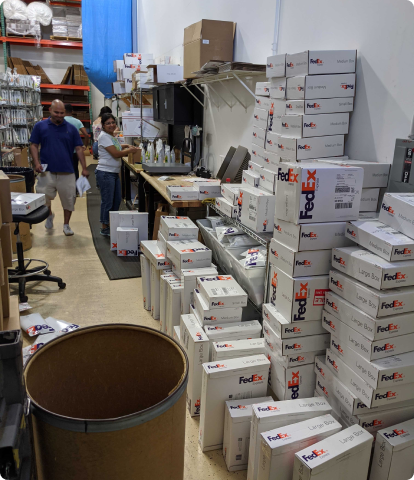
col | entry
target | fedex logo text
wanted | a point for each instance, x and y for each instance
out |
(384, 348)
(279, 436)
(332, 362)
(389, 328)
(337, 346)
(337, 284)
(293, 385)
(295, 346)
(313, 105)
(301, 298)
(394, 376)
(309, 125)
(389, 394)
(238, 407)
(394, 304)
(332, 304)
(309, 189)
(224, 345)
(397, 276)
(329, 323)
(404, 251)
(339, 260)
(315, 454)
(267, 409)
(305, 263)
(293, 330)
(351, 232)
(347, 86)
(395, 433)
(254, 378)
(218, 365)
(288, 176)
(374, 423)
(217, 304)
(309, 235)
(297, 359)
(316, 61)
(388, 209)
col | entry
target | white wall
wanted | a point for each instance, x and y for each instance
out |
(381, 30)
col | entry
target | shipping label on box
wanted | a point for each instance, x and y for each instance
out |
(237, 419)
(300, 299)
(222, 381)
(370, 327)
(268, 416)
(276, 66)
(347, 451)
(372, 301)
(311, 236)
(196, 345)
(381, 240)
(309, 194)
(299, 264)
(320, 62)
(260, 118)
(259, 136)
(371, 269)
(298, 126)
(397, 211)
(278, 88)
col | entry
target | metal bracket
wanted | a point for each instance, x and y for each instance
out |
(231, 93)
(217, 93)
(192, 94)
(244, 85)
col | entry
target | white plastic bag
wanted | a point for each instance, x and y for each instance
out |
(15, 10)
(242, 241)
(253, 250)
(224, 232)
(82, 185)
(252, 261)
(34, 324)
(39, 12)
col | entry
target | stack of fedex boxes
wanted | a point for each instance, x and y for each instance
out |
(368, 372)
(127, 231)
(314, 201)
(125, 68)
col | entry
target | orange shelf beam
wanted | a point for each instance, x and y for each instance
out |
(65, 87)
(73, 104)
(43, 43)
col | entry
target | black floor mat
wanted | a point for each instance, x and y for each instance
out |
(116, 267)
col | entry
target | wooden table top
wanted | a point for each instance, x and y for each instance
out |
(136, 167)
(161, 187)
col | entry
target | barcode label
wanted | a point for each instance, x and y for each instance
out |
(251, 218)
(343, 205)
(342, 189)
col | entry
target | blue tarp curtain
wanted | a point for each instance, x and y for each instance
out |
(107, 35)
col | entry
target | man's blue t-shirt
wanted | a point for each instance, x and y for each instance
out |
(57, 144)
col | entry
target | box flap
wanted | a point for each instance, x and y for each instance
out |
(193, 32)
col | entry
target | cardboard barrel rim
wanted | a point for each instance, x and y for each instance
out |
(111, 424)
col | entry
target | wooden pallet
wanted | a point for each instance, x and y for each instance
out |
(72, 39)
(12, 35)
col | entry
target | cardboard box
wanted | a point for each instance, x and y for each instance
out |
(276, 66)
(319, 105)
(178, 228)
(221, 291)
(227, 208)
(397, 211)
(214, 316)
(262, 88)
(257, 209)
(257, 154)
(135, 157)
(311, 236)
(237, 418)
(272, 415)
(13, 321)
(321, 62)
(165, 280)
(347, 451)
(113, 226)
(368, 268)
(271, 160)
(320, 86)
(155, 292)
(278, 88)
(233, 331)
(295, 149)
(162, 243)
(299, 264)
(127, 243)
(259, 136)
(263, 102)
(208, 189)
(389, 396)
(272, 142)
(376, 303)
(207, 40)
(267, 180)
(239, 377)
(118, 88)
(250, 178)
(381, 240)
(231, 191)
(25, 203)
(146, 281)
(309, 194)
(177, 193)
(375, 174)
(134, 219)
(167, 73)
(284, 329)
(292, 359)
(370, 350)
(301, 299)
(118, 64)
(370, 327)
(176, 335)
(309, 343)
(189, 253)
(291, 383)
(393, 457)
(278, 449)
(237, 348)
(189, 279)
(173, 306)
(6, 244)
(151, 250)
(196, 345)
(137, 58)
(255, 168)
(276, 111)
(302, 126)
(369, 199)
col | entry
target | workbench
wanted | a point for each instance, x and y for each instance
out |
(160, 186)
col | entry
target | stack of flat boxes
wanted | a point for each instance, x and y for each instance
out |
(313, 203)
(313, 93)
(368, 373)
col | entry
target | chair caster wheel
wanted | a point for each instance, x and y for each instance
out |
(24, 299)
(47, 272)
(62, 285)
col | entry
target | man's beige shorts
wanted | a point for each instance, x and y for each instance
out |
(62, 183)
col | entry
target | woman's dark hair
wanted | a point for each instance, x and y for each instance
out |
(104, 110)
(105, 117)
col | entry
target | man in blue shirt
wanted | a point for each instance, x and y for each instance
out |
(58, 139)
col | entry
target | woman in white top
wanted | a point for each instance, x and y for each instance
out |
(109, 166)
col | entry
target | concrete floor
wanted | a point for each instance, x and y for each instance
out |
(90, 298)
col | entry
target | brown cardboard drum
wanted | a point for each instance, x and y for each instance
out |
(108, 402)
